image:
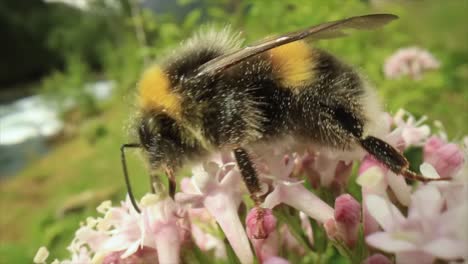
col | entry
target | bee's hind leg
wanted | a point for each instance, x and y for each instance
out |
(249, 174)
(392, 158)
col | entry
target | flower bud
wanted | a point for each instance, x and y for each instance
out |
(347, 216)
(260, 223)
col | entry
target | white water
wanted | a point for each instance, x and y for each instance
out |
(27, 122)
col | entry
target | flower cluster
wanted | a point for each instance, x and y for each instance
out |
(310, 209)
(412, 61)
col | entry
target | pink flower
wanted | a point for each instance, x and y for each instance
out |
(408, 131)
(277, 169)
(447, 158)
(412, 61)
(347, 217)
(427, 232)
(165, 227)
(261, 225)
(216, 186)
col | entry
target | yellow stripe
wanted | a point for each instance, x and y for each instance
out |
(293, 63)
(155, 94)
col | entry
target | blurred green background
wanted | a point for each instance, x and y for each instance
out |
(67, 53)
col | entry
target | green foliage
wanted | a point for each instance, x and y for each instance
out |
(68, 88)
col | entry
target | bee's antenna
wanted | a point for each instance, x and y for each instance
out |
(127, 180)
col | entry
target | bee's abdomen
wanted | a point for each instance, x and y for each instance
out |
(330, 110)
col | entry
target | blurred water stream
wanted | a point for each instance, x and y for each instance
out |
(27, 123)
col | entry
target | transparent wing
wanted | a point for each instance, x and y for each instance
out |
(323, 31)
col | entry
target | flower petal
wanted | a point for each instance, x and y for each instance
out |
(428, 171)
(399, 187)
(387, 242)
(447, 248)
(384, 212)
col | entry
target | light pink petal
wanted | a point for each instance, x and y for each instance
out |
(186, 185)
(386, 242)
(232, 180)
(274, 198)
(168, 244)
(447, 248)
(224, 209)
(304, 200)
(132, 248)
(409, 257)
(384, 212)
(399, 187)
(196, 200)
(428, 202)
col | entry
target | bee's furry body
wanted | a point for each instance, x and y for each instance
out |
(311, 96)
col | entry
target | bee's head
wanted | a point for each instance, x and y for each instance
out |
(166, 141)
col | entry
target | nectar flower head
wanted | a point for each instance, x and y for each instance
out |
(447, 158)
(412, 61)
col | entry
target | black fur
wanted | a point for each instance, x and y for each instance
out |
(246, 104)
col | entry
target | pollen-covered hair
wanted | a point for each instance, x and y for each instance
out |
(157, 89)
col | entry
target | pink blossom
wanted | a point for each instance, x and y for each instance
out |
(347, 217)
(277, 168)
(408, 131)
(427, 232)
(217, 187)
(447, 158)
(165, 227)
(412, 61)
(261, 225)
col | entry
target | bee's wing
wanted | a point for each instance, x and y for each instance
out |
(322, 31)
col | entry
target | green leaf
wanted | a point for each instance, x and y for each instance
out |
(292, 220)
(192, 19)
(320, 236)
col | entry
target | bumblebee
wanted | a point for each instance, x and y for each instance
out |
(210, 95)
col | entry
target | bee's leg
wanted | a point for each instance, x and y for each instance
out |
(249, 174)
(171, 181)
(392, 158)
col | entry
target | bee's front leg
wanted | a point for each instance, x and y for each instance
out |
(249, 174)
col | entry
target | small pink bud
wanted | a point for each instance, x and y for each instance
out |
(446, 158)
(260, 223)
(347, 216)
(377, 259)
